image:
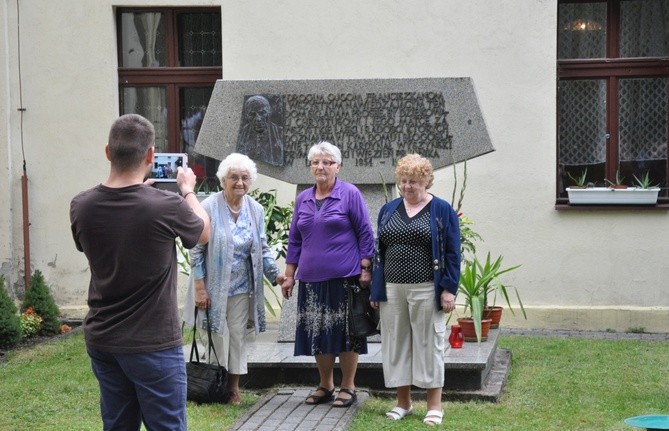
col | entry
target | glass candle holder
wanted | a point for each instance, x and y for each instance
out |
(456, 339)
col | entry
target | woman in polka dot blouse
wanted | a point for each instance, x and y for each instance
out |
(415, 279)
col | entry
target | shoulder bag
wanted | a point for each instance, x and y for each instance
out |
(363, 320)
(207, 383)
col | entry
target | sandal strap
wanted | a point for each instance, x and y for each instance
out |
(351, 392)
(434, 417)
(326, 392)
(313, 398)
(398, 413)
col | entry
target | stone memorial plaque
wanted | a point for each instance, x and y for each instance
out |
(374, 122)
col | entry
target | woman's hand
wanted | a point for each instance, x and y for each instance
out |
(365, 278)
(447, 301)
(287, 287)
(374, 304)
(201, 296)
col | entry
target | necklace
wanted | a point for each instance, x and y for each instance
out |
(235, 212)
(412, 208)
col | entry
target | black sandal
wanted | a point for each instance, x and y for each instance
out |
(346, 402)
(313, 399)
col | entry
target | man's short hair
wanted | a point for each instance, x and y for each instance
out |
(130, 138)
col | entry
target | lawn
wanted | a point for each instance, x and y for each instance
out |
(51, 387)
(554, 384)
(559, 384)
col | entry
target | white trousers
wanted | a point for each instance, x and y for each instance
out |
(412, 337)
(231, 344)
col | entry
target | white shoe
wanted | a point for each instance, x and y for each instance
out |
(433, 417)
(398, 413)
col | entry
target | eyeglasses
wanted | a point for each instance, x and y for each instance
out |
(235, 179)
(325, 163)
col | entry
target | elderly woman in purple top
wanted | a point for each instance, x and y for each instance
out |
(332, 243)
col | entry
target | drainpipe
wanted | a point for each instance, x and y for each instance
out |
(24, 177)
(26, 226)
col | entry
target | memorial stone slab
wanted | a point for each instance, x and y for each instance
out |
(374, 122)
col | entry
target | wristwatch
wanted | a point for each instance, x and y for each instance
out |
(366, 267)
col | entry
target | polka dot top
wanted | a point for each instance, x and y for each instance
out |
(408, 243)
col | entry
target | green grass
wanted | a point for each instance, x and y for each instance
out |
(51, 387)
(555, 384)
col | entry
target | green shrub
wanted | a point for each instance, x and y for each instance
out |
(39, 298)
(10, 326)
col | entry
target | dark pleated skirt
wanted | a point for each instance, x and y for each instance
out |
(321, 320)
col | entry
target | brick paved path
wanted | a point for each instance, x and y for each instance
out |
(284, 409)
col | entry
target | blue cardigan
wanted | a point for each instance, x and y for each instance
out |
(445, 230)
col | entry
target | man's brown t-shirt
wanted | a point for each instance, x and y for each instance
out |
(128, 235)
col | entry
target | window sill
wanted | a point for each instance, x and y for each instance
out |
(563, 206)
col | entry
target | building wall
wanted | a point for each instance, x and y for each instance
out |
(603, 270)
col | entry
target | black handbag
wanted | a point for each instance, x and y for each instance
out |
(206, 383)
(363, 320)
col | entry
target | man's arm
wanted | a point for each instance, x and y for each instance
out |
(186, 181)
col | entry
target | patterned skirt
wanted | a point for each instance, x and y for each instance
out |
(322, 326)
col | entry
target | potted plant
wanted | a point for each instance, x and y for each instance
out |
(619, 182)
(491, 271)
(580, 182)
(645, 182)
(474, 327)
(643, 194)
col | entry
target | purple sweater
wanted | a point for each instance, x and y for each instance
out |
(329, 243)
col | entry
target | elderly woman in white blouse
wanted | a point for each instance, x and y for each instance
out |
(227, 273)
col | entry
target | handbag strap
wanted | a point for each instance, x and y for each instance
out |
(352, 285)
(193, 347)
(209, 339)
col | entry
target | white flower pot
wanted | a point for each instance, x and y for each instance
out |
(611, 196)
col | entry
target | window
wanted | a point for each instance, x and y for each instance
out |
(169, 61)
(613, 91)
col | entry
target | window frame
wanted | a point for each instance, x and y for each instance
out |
(611, 69)
(172, 76)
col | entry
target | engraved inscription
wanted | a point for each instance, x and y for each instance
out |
(370, 129)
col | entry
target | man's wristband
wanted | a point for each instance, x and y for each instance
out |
(366, 267)
(186, 195)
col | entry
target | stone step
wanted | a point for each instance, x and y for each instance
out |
(476, 371)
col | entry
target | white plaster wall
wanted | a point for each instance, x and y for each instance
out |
(70, 94)
(572, 261)
(6, 245)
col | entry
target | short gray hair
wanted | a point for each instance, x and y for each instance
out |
(237, 161)
(324, 148)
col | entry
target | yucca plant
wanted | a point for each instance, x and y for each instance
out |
(471, 287)
(491, 271)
